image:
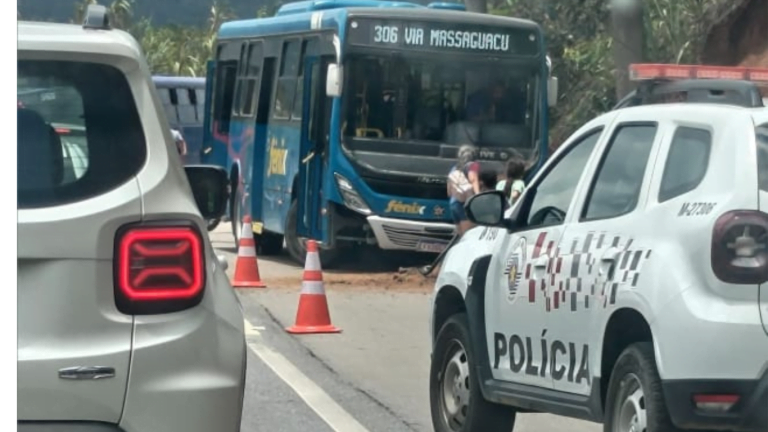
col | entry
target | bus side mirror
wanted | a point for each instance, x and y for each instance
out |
(552, 92)
(333, 80)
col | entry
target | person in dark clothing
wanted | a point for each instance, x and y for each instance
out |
(488, 178)
(496, 103)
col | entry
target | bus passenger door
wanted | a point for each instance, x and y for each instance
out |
(314, 142)
(206, 150)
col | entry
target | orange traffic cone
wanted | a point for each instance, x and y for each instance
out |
(247, 265)
(312, 315)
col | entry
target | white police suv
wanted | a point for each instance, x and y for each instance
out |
(629, 285)
(126, 320)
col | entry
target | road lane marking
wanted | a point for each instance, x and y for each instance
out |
(252, 330)
(321, 403)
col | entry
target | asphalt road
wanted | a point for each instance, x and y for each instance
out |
(370, 377)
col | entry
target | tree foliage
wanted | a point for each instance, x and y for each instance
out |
(578, 38)
(577, 34)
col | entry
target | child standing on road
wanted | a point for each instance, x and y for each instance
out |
(514, 185)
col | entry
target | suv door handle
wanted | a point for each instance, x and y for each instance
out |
(611, 255)
(608, 259)
(541, 262)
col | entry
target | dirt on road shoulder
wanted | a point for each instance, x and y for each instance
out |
(406, 280)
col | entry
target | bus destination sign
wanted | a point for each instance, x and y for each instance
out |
(443, 37)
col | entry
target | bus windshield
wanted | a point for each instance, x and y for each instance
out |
(441, 99)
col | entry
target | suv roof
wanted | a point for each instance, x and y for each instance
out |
(38, 36)
(696, 84)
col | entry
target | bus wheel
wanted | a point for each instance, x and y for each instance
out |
(297, 248)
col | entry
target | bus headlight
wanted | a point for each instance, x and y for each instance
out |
(352, 199)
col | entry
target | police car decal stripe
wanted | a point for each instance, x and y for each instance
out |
(566, 271)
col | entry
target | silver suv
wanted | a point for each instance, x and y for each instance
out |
(126, 320)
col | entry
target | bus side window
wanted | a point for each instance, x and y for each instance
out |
(286, 82)
(249, 79)
(223, 97)
(308, 48)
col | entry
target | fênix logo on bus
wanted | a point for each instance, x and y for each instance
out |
(278, 156)
(400, 207)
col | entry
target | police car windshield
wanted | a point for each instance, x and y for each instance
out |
(415, 98)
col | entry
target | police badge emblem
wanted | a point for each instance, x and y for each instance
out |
(513, 269)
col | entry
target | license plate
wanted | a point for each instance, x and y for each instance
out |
(435, 247)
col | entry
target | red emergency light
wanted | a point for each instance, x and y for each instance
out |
(639, 72)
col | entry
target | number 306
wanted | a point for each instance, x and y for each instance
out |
(385, 34)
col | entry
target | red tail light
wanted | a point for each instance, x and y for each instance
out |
(158, 269)
(740, 247)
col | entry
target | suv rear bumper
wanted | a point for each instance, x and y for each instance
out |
(748, 415)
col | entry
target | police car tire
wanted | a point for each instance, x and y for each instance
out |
(638, 360)
(482, 415)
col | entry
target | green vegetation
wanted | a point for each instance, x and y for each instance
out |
(577, 32)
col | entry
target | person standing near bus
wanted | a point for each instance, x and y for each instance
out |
(463, 183)
(181, 144)
(514, 184)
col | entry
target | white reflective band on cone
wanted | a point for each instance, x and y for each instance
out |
(246, 251)
(246, 231)
(312, 287)
(313, 261)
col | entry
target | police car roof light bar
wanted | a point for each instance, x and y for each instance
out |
(96, 18)
(642, 72)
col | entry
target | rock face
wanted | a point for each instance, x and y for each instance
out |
(738, 34)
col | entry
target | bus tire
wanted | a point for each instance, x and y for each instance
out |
(329, 258)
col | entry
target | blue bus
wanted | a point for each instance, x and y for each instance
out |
(339, 120)
(184, 100)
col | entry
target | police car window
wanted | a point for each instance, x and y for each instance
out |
(762, 156)
(616, 188)
(554, 193)
(686, 163)
(79, 132)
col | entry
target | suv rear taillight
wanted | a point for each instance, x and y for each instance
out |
(740, 247)
(158, 269)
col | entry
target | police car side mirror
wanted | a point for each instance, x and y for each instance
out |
(333, 80)
(552, 92)
(486, 208)
(209, 185)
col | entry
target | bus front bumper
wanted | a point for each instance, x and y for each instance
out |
(403, 234)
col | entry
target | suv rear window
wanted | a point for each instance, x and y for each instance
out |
(79, 132)
(762, 156)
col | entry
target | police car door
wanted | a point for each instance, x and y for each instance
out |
(518, 300)
(600, 248)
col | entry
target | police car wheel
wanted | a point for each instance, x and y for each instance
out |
(456, 401)
(635, 402)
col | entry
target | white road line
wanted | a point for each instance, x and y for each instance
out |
(332, 413)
